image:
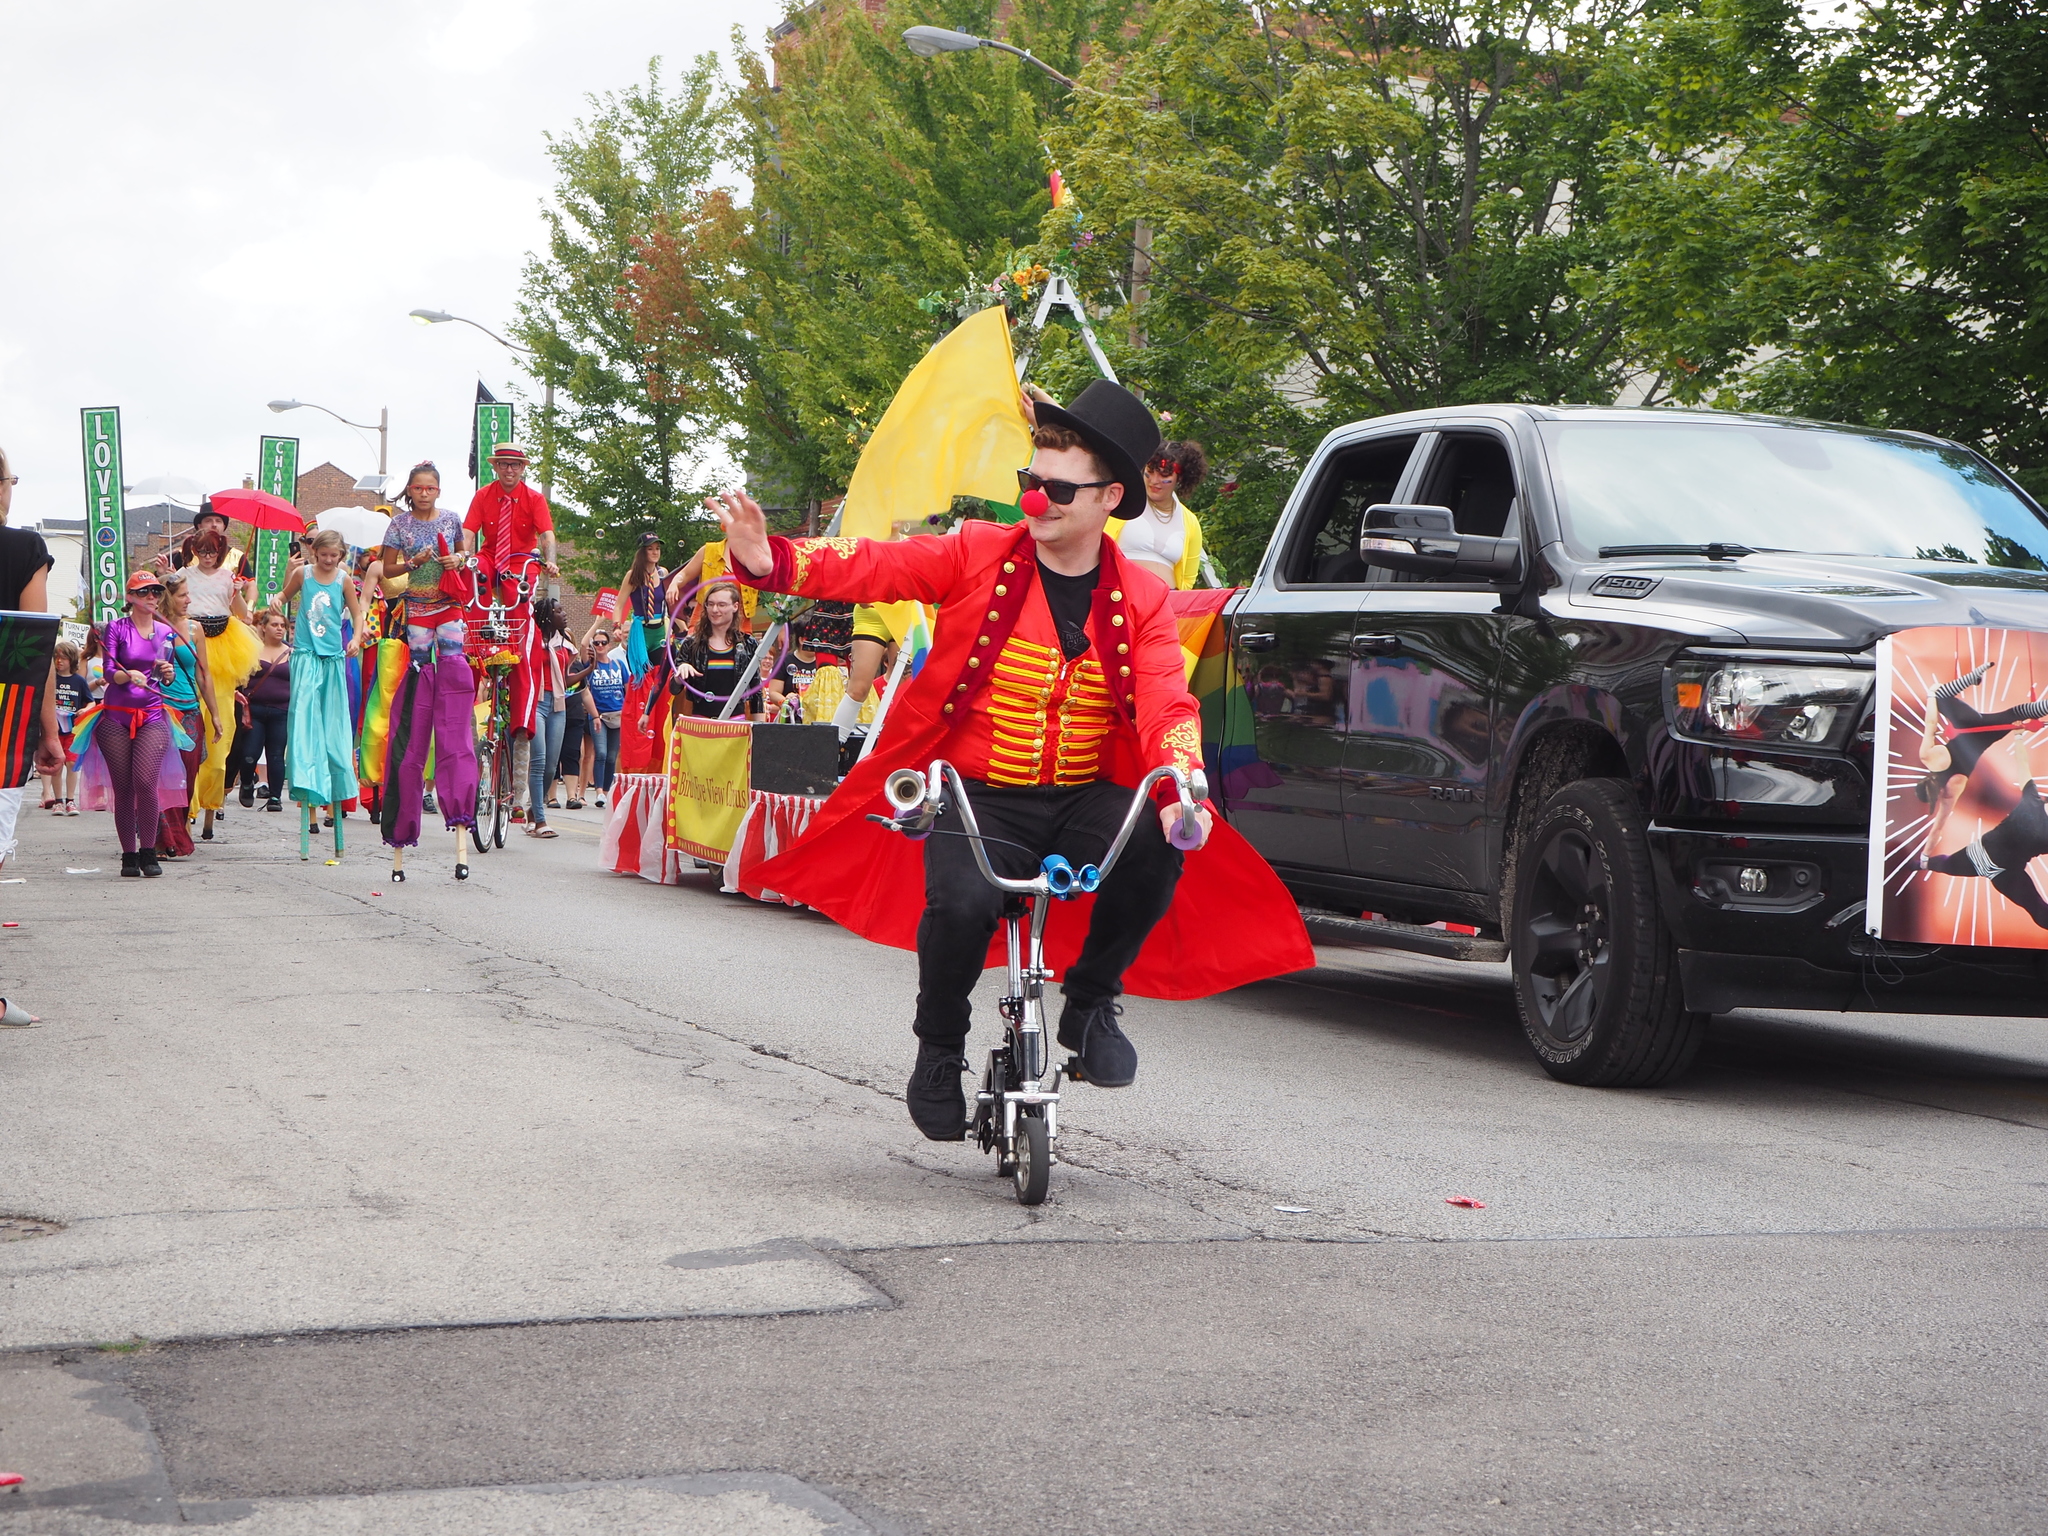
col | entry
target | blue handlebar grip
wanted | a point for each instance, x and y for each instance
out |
(1090, 877)
(1059, 875)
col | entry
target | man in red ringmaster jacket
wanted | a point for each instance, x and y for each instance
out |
(1054, 684)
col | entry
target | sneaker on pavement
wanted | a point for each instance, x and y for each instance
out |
(131, 865)
(1108, 1059)
(938, 1104)
(248, 794)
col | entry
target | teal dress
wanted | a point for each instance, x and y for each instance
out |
(320, 753)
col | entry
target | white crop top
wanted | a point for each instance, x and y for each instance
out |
(212, 596)
(1145, 537)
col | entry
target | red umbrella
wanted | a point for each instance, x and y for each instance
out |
(259, 509)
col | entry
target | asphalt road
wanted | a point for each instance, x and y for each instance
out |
(557, 1201)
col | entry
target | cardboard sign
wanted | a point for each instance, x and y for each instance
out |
(1958, 824)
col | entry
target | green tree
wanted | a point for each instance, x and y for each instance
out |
(1843, 221)
(629, 313)
(1340, 210)
(879, 179)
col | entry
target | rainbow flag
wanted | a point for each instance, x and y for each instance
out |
(1230, 755)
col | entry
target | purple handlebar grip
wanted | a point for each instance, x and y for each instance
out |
(1187, 832)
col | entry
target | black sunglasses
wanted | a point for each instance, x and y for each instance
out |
(1058, 492)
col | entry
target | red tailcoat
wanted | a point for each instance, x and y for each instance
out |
(1231, 921)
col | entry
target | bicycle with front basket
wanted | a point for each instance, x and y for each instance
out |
(1016, 1110)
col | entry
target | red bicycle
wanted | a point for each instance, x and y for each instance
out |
(497, 630)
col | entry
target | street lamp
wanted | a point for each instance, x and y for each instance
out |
(547, 404)
(383, 427)
(930, 42)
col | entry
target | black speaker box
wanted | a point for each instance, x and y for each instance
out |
(796, 759)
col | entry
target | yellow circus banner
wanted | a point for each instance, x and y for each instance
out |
(710, 773)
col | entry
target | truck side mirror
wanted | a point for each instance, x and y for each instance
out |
(1424, 541)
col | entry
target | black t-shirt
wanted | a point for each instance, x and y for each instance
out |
(74, 694)
(22, 554)
(794, 672)
(1070, 598)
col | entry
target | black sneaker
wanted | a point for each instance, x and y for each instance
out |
(1108, 1059)
(248, 795)
(273, 805)
(131, 864)
(147, 859)
(938, 1104)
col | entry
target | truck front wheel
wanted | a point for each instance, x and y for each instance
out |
(1596, 973)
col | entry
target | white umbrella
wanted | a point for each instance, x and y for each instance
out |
(359, 525)
(169, 488)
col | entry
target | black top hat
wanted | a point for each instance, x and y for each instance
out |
(1117, 429)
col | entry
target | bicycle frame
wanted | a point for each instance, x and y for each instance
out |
(918, 800)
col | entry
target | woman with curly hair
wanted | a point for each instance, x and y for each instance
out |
(1164, 536)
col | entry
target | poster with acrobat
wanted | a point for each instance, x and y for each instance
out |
(1958, 824)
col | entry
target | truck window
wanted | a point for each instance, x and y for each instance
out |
(1473, 476)
(1325, 547)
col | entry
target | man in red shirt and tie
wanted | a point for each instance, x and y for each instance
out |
(509, 517)
(506, 519)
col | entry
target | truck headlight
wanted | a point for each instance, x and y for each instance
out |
(1764, 703)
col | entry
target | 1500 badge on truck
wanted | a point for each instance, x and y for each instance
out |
(1599, 684)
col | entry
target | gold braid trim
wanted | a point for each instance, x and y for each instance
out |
(1183, 743)
(807, 550)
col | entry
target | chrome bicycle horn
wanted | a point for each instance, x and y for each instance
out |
(904, 790)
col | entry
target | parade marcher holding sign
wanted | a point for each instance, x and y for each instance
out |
(1053, 684)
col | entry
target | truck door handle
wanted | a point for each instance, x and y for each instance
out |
(1375, 645)
(1258, 642)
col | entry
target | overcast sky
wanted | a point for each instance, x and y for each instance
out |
(211, 205)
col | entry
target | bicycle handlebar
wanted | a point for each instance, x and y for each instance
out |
(919, 798)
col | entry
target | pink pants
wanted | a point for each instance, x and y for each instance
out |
(436, 709)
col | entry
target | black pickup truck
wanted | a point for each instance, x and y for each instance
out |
(1499, 671)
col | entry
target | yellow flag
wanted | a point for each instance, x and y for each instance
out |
(954, 429)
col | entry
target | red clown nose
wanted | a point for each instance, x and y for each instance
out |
(1034, 503)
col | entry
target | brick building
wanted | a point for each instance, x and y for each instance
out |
(328, 486)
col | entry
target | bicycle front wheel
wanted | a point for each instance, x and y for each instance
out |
(486, 800)
(1033, 1171)
(508, 792)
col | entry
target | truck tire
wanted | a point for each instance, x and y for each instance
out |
(1596, 972)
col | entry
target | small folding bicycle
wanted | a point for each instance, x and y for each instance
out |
(1016, 1111)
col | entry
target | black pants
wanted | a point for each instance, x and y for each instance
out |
(569, 765)
(237, 763)
(2012, 845)
(962, 909)
(266, 741)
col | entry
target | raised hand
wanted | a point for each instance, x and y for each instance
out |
(746, 531)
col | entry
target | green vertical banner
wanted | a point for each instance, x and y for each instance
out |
(277, 473)
(106, 534)
(493, 426)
